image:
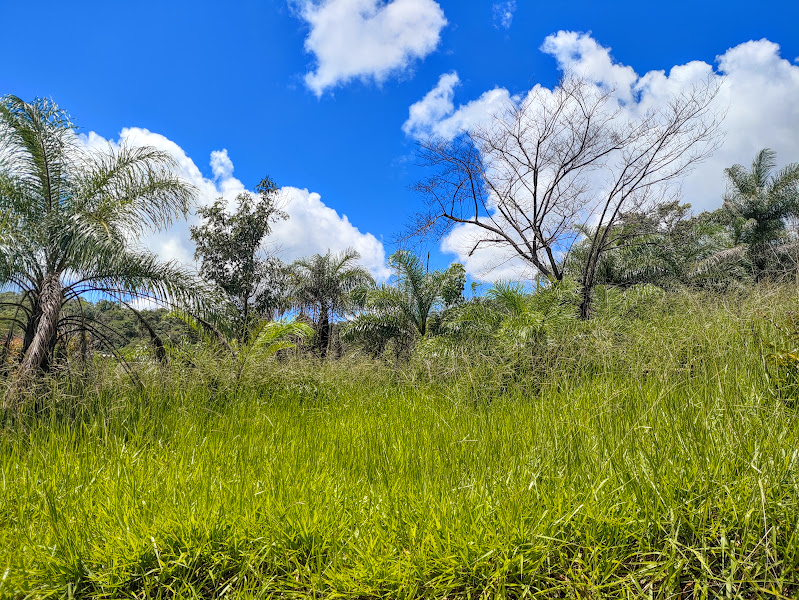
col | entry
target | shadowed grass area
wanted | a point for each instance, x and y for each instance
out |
(651, 459)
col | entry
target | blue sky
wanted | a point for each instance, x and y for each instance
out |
(315, 93)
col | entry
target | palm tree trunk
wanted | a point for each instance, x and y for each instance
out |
(587, 288)
(324, 331)
(37, 354)
(30, 329)
(50, 302)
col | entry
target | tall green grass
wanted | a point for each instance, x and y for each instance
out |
(649, 459)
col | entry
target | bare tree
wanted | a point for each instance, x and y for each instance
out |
(529, 179)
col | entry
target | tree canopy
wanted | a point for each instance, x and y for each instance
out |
(230, 248)
(759, 201)
(324, 286)
(71, 219)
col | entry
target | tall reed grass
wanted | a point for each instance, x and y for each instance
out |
(645, 455)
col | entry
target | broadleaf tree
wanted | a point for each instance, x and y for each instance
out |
(230, 246)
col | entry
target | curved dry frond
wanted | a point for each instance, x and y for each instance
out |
(717, 259)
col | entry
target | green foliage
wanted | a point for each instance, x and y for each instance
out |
(665, 247)
(328, 287)
(516, 450)
(71, 220)
(273, 336)
(452, 283)
(758, 202)
(120, 330)
(782, 359)
(401, 311)
(654, 462)
(230, 249)
(502, 338)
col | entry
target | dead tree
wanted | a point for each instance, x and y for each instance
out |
(561, 161)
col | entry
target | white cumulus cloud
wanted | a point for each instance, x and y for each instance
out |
(330, 231)
(312, 227)
(435, 114)
(221, 165)
(757, 89)
(367, 39)
(485, 264)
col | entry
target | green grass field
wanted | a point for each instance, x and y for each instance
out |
(645, 455)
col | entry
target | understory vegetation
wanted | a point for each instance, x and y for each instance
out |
(648, 452)
(622, 425)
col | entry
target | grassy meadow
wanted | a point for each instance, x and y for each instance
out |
(652, 452)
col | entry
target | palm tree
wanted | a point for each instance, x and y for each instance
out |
(509, 316)
(70, 220)
(665, 247)
(759, 201)
(324, 286)
(402, 311)
(417, 291)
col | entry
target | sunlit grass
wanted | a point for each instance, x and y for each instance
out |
(661, 466)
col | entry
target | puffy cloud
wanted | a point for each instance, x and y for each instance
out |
(221, 165)
(757, 91)
(434, 108)
(435, 114)
(487, 263)
(312, 226)
(503, 13)
(367, 39)
(580, 54)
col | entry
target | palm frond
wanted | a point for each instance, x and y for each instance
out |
(509, 296)
(131, 189)
(719, 258)
(274, 336)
